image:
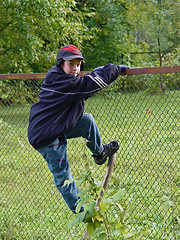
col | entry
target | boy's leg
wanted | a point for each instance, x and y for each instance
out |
(55, 155)
(87, 128)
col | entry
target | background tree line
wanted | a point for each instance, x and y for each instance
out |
(137, 33)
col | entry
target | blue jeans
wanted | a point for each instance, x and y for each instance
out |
(55, 155)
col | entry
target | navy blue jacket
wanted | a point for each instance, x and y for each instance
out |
(61, 102)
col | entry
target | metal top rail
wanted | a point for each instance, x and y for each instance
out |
(132, 71)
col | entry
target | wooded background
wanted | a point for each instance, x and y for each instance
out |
(136, 33)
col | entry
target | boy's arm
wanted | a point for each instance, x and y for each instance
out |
(72, 89)
(99, 78)
(122, 68)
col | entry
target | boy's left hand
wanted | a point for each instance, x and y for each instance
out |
(124, 67)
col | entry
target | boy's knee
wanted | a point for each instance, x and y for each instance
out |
(89, 117)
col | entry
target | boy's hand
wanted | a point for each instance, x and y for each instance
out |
(123, 68)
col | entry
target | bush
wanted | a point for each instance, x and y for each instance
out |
(14, 92)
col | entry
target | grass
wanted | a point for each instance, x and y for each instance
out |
(147, 166)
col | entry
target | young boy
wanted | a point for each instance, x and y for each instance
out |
(59, 115)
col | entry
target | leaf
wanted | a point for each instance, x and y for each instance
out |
(148, 111)
(120, 207)
(119, 195)
(100, 230)
(91, 228)
(79, 181)
(168, 204)
(116, 233)
(78, 219)
(128, 235)
(178, 220)
(164, 198)
(82, 193)
(108, 200)
(99, 217)
(73, 222)
(79, 205)
(67, 182)
(102, 236)
(103, 206)
(97, 223)
(90, 208)
(121, 228)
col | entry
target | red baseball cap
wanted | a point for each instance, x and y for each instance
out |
(69, 52)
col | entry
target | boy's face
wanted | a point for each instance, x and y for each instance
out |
(72, 66)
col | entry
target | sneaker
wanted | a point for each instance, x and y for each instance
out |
(109, 150)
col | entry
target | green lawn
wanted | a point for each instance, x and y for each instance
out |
(147, 166)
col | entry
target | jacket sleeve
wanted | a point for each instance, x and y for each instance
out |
(83, 87)
(69, 89)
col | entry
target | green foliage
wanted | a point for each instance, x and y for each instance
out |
(109, 20)
(115, 31)
(102, 222)
(156, 24)
(151, 83)
(113, 41)
(32, 32)
(170, 204)
(14, 92)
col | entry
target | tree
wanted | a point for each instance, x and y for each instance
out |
(33, 31)
(110, 42)
(156, 22)
(106, 31)
(113, 42)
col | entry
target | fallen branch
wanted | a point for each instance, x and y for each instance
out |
(111, 164)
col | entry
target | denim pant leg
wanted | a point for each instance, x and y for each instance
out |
(87, 128)
(55, 155)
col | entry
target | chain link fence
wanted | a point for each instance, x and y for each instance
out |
(142, 112)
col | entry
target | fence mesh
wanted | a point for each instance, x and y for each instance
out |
(136, 110)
